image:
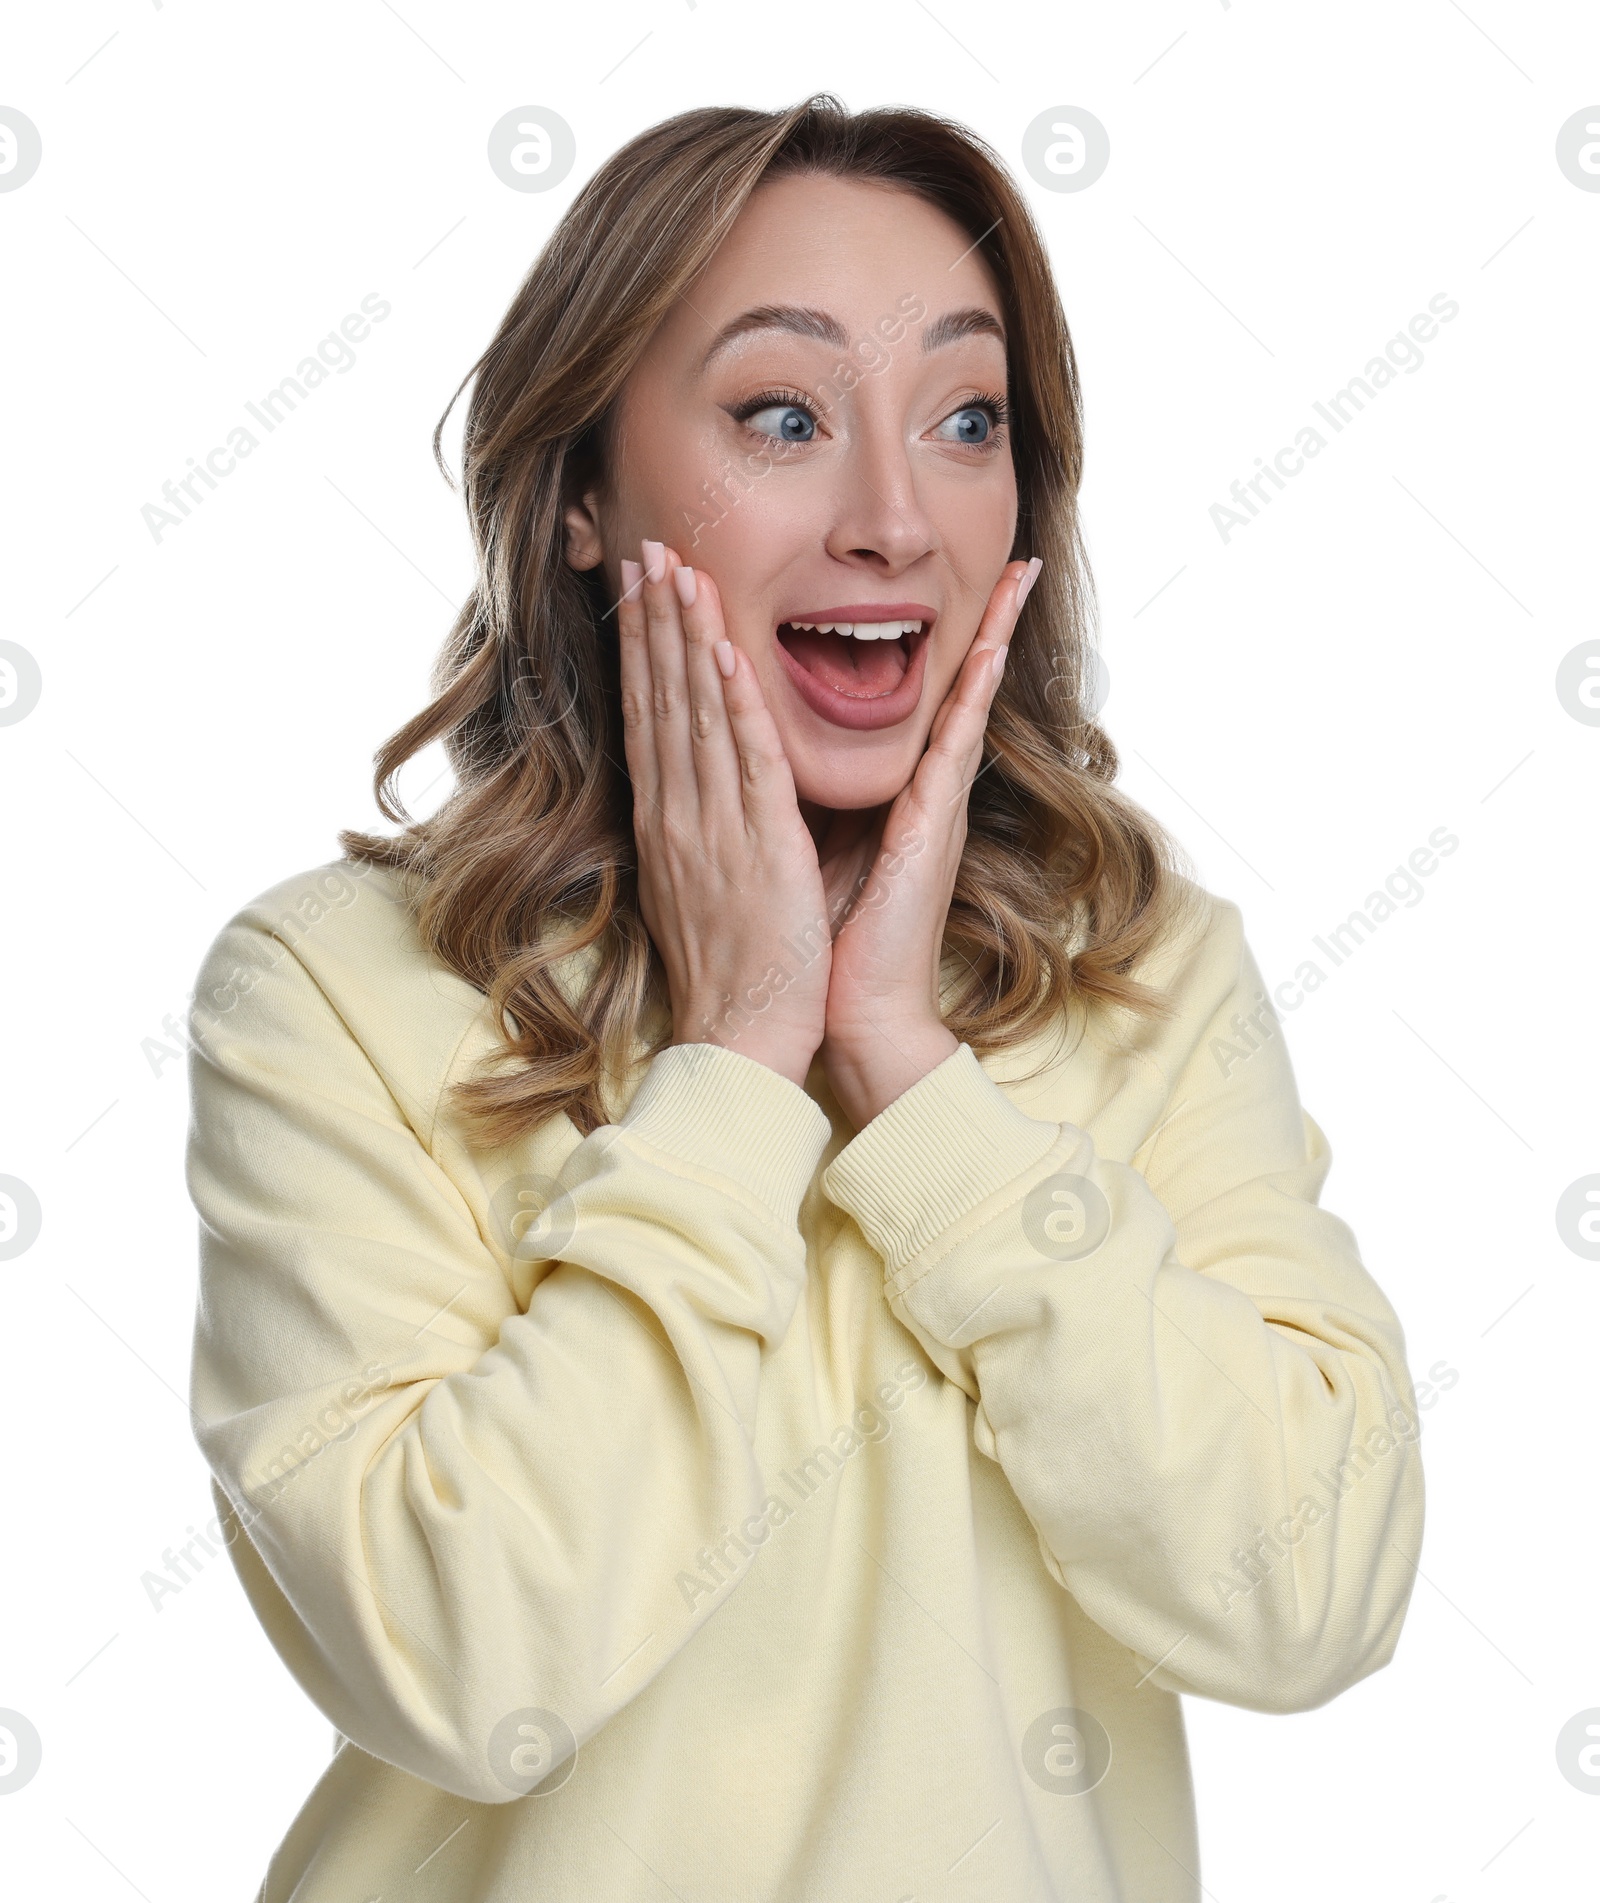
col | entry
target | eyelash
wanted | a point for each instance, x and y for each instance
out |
(990, 400)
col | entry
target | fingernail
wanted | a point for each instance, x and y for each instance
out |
(683, 580)
(1029, 579)
(632, 575)
(1000, 661)
(724, 653)
(655, 559)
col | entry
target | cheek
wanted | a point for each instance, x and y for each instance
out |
(944, 664)
(978, 517)
(753, 526)
(977, 527)
(667, 472)
(674, 483)
(748, 477)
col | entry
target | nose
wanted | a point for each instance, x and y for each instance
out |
(880, 521)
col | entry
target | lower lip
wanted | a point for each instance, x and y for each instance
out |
(844, 710)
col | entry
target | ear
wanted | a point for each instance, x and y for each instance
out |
(583, 545)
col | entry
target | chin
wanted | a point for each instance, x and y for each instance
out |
(851, 784)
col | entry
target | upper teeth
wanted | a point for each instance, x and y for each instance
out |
(862, 630)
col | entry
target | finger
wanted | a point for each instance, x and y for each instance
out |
(974, 688)
(765, 781)
(955, 746)
(993, 635)
(679, 790)
(638, 719)
(714, 748)
(1004, 605)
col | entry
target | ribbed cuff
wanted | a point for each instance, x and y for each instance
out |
(722, 1112)
(935, 1153)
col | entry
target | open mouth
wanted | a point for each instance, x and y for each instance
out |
(858, 664)
(861, 660)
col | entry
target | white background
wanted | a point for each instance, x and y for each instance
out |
(1372, 658)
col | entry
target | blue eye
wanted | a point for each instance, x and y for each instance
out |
(979, 424)
(795, 423)
(974, 423)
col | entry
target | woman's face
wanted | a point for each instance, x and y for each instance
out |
(814, 425)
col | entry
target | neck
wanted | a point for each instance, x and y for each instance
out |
(818, 818)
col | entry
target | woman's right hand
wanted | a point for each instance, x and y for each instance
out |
(729, 883)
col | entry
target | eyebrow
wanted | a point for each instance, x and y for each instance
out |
(802, 321)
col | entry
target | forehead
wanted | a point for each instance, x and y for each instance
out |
(860, 250)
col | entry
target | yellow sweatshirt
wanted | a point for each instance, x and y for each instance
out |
(733, 1506)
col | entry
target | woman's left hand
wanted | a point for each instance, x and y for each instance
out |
(884, 1031)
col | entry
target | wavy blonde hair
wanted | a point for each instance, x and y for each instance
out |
(1064, 885)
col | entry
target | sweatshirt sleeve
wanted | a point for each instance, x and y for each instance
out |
(461, 1517)
(1196, 1390)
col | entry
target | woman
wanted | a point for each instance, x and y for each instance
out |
(763, 1308)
